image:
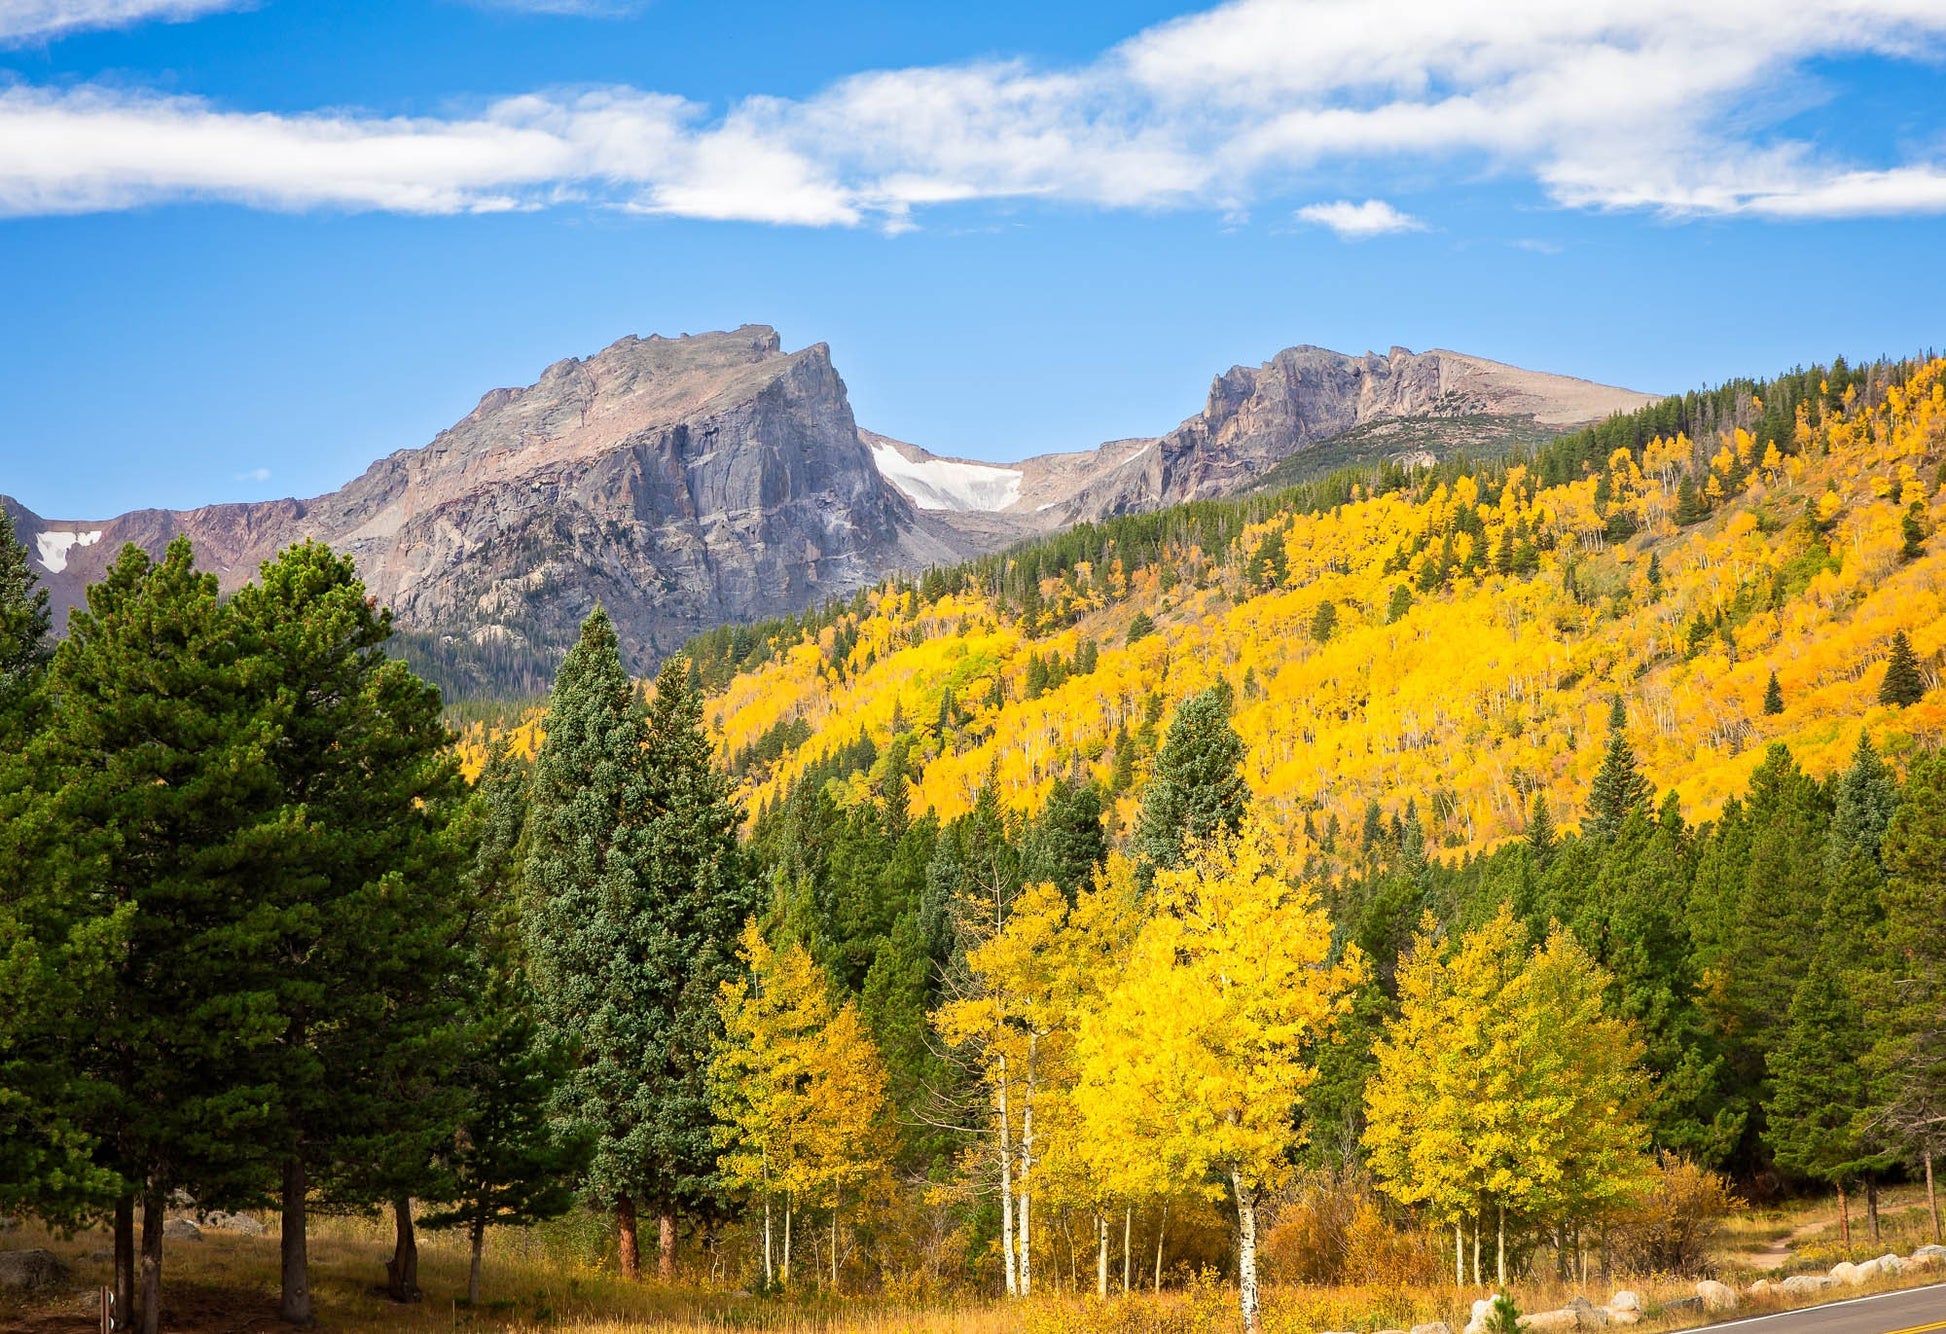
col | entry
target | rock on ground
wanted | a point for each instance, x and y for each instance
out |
(245, 1224)
(24, 1271)
(1625, 1300)
(182, 1229)
(1717, 1296)
(1803, 1285)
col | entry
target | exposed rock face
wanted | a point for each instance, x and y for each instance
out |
(691, 482)
(683, 483)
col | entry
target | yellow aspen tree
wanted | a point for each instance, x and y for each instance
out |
(1202, 1051)
(846, 1148)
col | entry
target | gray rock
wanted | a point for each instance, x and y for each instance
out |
(1436, 1327)
(1551, 1320)
(1717, 1296)
(1889, 1265)
(1683, 1307)
(1804, 1285)
(27, 1271)
(1625, 1300)
(1622, 1317)
(248, 1225)
(1930, 1252)
(8, 1224)
(182, 1229)
(1761, 1288)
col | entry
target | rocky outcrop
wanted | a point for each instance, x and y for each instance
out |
(26, 1271)
(682, 483)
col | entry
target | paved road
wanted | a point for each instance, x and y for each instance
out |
(1914, 1311)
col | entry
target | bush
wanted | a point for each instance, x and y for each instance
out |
(1332, 1228)
(1671, 1226)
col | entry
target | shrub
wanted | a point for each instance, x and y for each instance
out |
(1673, 1222)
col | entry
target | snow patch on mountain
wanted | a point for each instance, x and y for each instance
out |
(947, 484)
(55, 545)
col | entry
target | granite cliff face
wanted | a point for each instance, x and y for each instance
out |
(682, 483)
(691, 482)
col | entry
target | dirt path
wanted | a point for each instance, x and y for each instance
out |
(1776, 1254)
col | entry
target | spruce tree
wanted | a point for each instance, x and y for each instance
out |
(25, 649)
(1197, 788)
(1066, 841)
(636, 891)
(365, 886)
(1902, 686)
(1540, 830)
(1773, 696)
(1619, 790)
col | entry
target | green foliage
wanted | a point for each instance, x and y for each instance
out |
(1902, 685)
(1197, 788)
(1324, 622)
(1773, 696)
(1140, 628)
(1619, 791)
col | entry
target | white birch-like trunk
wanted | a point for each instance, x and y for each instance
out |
(1932, 1198)
(1128, 1236)
(1007, 1186)
(770, 1272)
(1247, 1297)
(1500, 1251)
(1101, 1255)
(834, 1250)
(788, 1211)
(1025, 1212)
(1161, 1231)
(1459, 1255)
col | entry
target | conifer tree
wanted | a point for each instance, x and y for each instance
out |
(1197, 788)
(1902, 686)
(1540, 830)
(1619, 790)
(1773, 696)
(25, 649)
(150, 788)
(1066, 841)
(367, 882)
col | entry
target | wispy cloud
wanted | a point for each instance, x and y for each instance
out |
(44, 20)
(1658, 105)
(1356, 222)
(594, 9)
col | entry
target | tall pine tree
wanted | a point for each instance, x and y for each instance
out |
(1197, 788)
(1902, 685)
(1619, 790)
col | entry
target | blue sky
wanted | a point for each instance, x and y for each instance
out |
(246, 249)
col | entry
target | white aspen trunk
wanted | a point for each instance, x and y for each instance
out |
(1101, 1256)
(770, 1273)
(834, 1250)
(1932, 1198)
(1476, 1250)
(1025, 1211)
(788, 1211)
(1459, 1255)
(1007, 1187)
(1161, 1231)
(1500, 1251)
(1128, 1235)
(1247, 1302)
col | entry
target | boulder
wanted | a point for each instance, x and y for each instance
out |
(1625, 1300)
(245, 1224)
(1803, 1285)
(1587, 1315)
(1717, 1296)
(1565, 1318)
(1889, 1265)
(1863, 1272)
(1930, 1253)
(182, 1229)
(1683, 1307)
(1761, 1288)
(1482, 1308)
(24, 1271)
(8, 1224)
(1622, 1317)
(1845, 1272)
(1436, 1327)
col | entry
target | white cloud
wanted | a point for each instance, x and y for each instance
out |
(254, 475)
(1355, 222)
(45, 20)
(1660, 105)
(594, 9)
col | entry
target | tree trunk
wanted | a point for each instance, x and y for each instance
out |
(665, 1242)
(1007, 1254)
(473, 1271)
(1871, 1203)
(1932, 1198)
(402, 1270)
(834, 1250)
(295, 1304)
(151, 1301)
(1101, 1256)
(1128, 1235)
(125, 1262)
(1026, 1172)
(788, 1212)
(1476, 1250)
(1161, 1231)
(631, 1250)
(1844, 1217)
(770, 1273)
(1500, 1251)
(1459, 1255)
(1247, 1303)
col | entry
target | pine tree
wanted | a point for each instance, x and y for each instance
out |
(1902, 686)
(1066, 841)
(1140, 628)
(25, 649)
(1820, 1092)
(1267, 566)
(1773, 696)
(1619, 790)
(150, 791)
(1197, 788)
(1540, 830)
(1912, 531)
(1324, 623)
(368, 882)
(1398, 605)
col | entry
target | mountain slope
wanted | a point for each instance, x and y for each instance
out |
(1479, 624)
(681, 482)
